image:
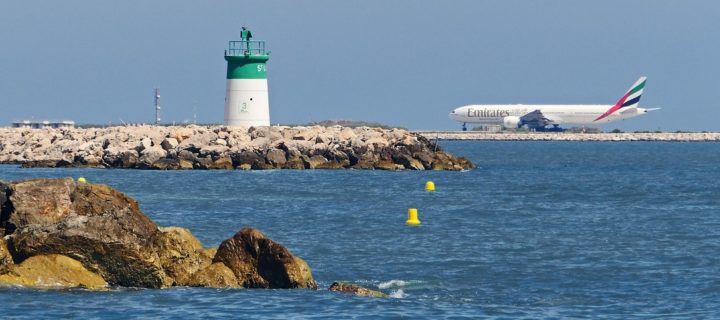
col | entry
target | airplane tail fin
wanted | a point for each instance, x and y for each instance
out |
(630, 99)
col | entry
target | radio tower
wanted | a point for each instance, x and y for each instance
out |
(157, 106)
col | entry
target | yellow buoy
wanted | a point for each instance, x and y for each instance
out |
(412, 217)
(82, 180)
(430, 186)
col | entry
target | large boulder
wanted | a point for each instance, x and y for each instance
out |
(276, 157)
(315, 161)
(216, 275)
(356, 290)
(388, 165)
(168, 164)
(294, 164)
(247, 158)
(94, 224)
(6, 260)
(52, 271)
(224, 162)
(5, 207)
(333, 164)
(425, 158)
(293, 153)
(307, 134)
(41, 202)
(364, 164)
(127, 159)
(180, 133)
(169, 143)
(187, 156)
(259, 262)
(45, 164)
(444, 161)
(96, 232)
(87, 160)
(408, 162)
(145, 143)
(181, 254)
(197, 141)
(150, 155)
(464, 163)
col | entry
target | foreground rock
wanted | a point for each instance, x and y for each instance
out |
(61, 233)
(52, 271)
(181, 254)
(94, 224)
(259, 262)
(356, 290)
(216, 275)
(221, 147)
(6, 260)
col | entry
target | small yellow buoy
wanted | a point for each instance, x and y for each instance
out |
(412, 217)
(430, 186)
(82, 180)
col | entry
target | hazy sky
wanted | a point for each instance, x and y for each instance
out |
(404, 63)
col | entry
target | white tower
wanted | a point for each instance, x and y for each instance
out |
(246, 97)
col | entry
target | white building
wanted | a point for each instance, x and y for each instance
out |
(43, 124)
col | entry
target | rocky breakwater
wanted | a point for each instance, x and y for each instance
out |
(221, 147)
(58, 233)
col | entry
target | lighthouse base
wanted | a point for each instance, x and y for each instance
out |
(246, 103)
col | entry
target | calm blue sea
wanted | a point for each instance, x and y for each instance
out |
(538, 230)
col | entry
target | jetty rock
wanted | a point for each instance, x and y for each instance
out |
(59, 233)
(225, 147)
(356, 290)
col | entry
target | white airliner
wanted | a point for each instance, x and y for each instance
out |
(537, 117)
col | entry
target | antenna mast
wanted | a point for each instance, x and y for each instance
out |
(195, 114)
(157, 106)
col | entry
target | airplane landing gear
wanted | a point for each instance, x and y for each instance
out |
(464, 127)
(555, 128)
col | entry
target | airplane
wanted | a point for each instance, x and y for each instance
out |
(537, 117)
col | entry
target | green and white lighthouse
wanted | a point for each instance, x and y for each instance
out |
(246, 97)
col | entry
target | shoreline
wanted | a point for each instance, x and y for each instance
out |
(566, 136)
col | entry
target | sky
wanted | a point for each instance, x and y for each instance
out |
(402, 63)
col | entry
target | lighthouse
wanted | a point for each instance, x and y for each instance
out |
(246, 96)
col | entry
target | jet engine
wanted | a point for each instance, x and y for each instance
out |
(511, 122)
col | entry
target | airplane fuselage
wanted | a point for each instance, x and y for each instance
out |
(557, 114)
(537, 116)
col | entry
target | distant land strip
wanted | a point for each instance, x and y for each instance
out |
(566, 136)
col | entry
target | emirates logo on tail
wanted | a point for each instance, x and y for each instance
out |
(630, 99)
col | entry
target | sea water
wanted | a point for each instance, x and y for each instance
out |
(538, 230)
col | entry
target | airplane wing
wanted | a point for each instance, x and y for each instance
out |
(535, 119)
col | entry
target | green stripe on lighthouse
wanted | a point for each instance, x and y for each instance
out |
(246, 67)
(246, 58)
